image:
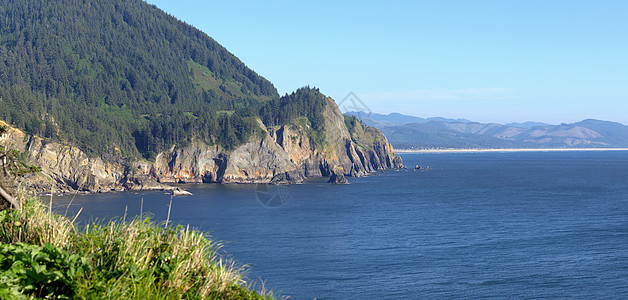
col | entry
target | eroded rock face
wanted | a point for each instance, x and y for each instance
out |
(283, 154)
(294, 142)
(337, 176)
(359, 152)
(260, 161)
(195, 163)
(66, 168)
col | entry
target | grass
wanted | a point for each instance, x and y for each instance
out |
(364, 136)
(204, 79)
(44, 255)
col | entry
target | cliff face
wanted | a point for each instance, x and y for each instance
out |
(283, 154)
(67, 168)
(63, 167)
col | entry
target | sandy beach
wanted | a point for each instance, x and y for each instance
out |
(506, 150)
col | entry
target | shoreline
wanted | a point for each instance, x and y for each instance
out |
(506, 150)
(177, 189)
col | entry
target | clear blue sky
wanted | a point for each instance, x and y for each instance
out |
(487, 61)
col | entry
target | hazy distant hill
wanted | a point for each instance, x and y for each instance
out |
(372, 119)
(413, 132)
(527, 124)
(431, 135)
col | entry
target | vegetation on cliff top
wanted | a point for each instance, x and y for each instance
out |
(364, 136)
(121, 78)
(306, 103)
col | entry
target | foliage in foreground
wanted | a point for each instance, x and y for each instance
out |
(38, 271)
(44, 255)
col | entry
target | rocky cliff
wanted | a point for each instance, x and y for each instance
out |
(282, 154)
(357, 152)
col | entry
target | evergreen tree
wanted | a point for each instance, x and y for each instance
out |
(121, 77)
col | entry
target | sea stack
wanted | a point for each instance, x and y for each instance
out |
(337, 176)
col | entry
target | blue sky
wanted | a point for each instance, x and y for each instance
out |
(487, 61)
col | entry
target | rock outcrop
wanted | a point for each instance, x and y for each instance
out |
(282, 154)
(359, 152)
(337, 176)
(67, 168)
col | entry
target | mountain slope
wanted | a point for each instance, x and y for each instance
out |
(612, 133)
(433, 135)
(112, 94)
(527, 124)
(374, 119)
(117, 76)
(448, 133)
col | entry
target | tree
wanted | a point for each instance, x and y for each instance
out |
(10, 169)
(124, 68)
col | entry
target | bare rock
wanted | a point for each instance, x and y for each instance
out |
(337, 176)
(282, 154)
(180, 192)
(195, 163)
(260, 161)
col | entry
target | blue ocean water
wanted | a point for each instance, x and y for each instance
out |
(476, 225)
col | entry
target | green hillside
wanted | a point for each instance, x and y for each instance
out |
(121, 78)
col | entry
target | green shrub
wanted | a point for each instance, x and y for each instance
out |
(39, 271)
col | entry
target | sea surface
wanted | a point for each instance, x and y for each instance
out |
(475, 225)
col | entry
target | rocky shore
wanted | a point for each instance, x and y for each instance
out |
(282, 154)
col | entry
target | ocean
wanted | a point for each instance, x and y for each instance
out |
(475, 225)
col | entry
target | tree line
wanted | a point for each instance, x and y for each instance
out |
(121, 78)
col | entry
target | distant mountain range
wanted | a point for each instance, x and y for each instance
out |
(409, 132)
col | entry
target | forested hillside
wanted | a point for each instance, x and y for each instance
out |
(121, 78)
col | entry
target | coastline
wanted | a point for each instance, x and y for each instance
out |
(177, 190)
(506, 150)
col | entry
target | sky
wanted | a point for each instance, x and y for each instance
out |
(487, 61)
